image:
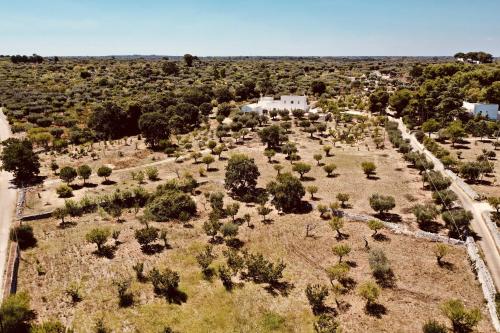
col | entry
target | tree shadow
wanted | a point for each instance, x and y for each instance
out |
(76, 187)
(212, 169)
(216, 240)
(373, 177)
(483, 182)
(351, 263)
(381, 238)
(27, 242)
(126, 300)
(341, 236)
(348, 283)
(267, 221)
(303, 207)
(376, 310)
(279, 288)
(388, 217)
(108, 182)
(152, 249)
(447, 265)
(343, 306)
(107, 251)
(307, 179)
(432, 226)
(324, 309)
(385, 279)
(176, 296)
(235, 243)
(90, 185)
(66, 225)
(209, 274)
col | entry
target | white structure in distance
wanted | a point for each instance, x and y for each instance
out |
(485, 110)
(288, 102)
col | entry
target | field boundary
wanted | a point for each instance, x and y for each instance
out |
(477, 263)
(14, 255)
(484, 277)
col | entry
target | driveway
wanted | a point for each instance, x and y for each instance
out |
(487, 243)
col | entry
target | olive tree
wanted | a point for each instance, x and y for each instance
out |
(98, 236)
(382, 203)
(369, 168)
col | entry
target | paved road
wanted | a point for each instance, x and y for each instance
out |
(487, 242)
(8, 195)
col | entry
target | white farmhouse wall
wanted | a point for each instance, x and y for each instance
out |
(294, 102)
(284, 103)
(486, 110)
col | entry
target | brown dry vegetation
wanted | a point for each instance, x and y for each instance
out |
(421, 285)
(471, 149)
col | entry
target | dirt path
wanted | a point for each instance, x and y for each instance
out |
(8, 196)
(129, 169)
(486, 242)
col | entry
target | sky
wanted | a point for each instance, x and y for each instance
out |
(249, 28)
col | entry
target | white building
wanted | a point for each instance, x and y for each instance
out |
(486, 110)
(266, 104)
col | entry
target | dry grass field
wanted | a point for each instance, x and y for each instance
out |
(63, 258)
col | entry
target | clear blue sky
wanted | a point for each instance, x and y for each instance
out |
(249, 27)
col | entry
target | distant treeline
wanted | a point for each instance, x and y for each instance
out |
(35, 58)
(480, 56)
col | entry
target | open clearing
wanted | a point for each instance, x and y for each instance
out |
(63, 257)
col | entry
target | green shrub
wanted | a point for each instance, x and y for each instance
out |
(171, 205)
(16, 313)
(64, 191)
(24, 236)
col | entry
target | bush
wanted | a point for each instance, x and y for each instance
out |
(261, 270)
(165, 283)
(152, 173)
(171, 205)
(23, 235)
(16, 313)
(50, 327)
(64, 191)
(444, 197)
(425, 213)
(326, 323)
(432, 326)
(380, 265)
(369, 168)
(316, 295)
(146, 236)
(457, 221)
(369, 291)
(462, 319)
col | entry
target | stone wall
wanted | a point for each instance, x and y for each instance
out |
(10, 282)
(478, 265)
(11, 269)
(495, 233)
(484, 277)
